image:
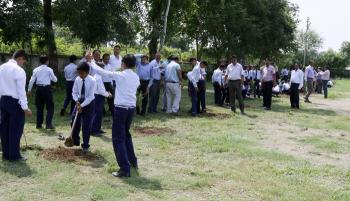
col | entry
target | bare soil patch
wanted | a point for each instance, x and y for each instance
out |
(217, 115)
(154, 130)
(68, 155)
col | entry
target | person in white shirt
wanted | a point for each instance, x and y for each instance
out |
(318, 76)
(13, 105)
(127, 82)
(42, 77)
(194, 78)
(70, 73)
(173, 80)
(235, 77)
(268, 83)
(108, 82)
(100, 95)
(310, 79)
(296, 83)
(285, 73)
(116, 60)
(325, 76)
(256, 78)
(155, 83)
(217, 80)
(84, 95)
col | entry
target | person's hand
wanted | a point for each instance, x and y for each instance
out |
(28, 112)
(29, 94)
(109, 95)
(196, 88)
(80, 109)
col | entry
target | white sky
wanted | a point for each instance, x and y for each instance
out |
(329, 18)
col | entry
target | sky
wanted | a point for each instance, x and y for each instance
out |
(329, 18)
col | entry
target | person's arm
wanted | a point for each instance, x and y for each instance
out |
(75, 91)
(179, 74)
(91, 95)
(195, 77)
(21, 90)
(31, 82)
(301, 77)
(103, 72)
(101, 88)
(53, 76)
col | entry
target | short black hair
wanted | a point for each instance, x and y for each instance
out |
(174, 58)
(192, 59)
(43, 59)
(204, 63)
(169, 58)
(233, 57)
(72, 58)
(129, 60)
(118, 46)
(83, 66)
(144, 56)
(19, 53)
(96, 51)
(105, 55)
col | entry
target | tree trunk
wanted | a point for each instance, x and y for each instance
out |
(49, 35)
(162, 40)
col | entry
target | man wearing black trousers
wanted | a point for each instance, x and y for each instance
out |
(217, 81)
(202, 87)
(42, 77)
(268, 82)
(296, 83)
(13, 105)
(70, 73)
(144, 73)
(155, 84)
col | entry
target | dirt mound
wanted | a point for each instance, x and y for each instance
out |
(67, 155)
(217, 115)
(154, 130)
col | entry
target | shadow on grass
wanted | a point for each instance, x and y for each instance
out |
(144, 183)
(19, 169)
(311, 111)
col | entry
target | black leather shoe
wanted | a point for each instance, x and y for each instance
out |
(39, 127)
(121, 174)
(51, 127)
(62, 113)
(134, 165)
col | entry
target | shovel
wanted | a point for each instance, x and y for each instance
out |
(69, 141)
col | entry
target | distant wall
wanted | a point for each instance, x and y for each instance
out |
(33, 60)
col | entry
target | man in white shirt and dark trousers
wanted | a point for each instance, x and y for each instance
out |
(256, 77)
(127, 83)
(144, 72)
(310, 79)
(84, 95)
(194, 76)
(325, 76)
(13, 105)
(173, 80)
(296, 83)
(109, 83)
(70, 73)
(268, 82)
(42, 77)
(155, 84)
(218, 85)
(202, 85)
(235, 77)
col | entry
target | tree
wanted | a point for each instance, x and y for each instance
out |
(97, 21)
(49, 36)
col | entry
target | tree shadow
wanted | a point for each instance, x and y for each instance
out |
(19, 169)
(311, 111)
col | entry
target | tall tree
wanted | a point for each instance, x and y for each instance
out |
(49, 36)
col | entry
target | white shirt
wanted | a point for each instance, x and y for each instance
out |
(108, 67)
(70, 72)
(255, 74)
(115, 62)
(309, 72)
(285, 72)
(195, 75)
(326, 75)
(234, 72)
(42, 75)
(217, 76)
(100, 87)
(90, 88)
(297, 77)
(13, 82)
(126, 84)
(246, 74)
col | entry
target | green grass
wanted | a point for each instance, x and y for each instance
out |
(207, 158)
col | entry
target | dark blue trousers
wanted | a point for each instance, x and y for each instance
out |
(154, 96)
(83, 122)
(110, 88)
(121, 138)
(194, 98)
(201, 95)
(96, 122)
(43, 97)
(11, 127)
(69, 98)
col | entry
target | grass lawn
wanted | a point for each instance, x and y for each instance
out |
(274, 155)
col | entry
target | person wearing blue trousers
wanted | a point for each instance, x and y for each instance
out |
(13, 105)
(100, 95)
(84, 95)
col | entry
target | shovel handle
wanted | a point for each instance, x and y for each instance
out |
(75, 120)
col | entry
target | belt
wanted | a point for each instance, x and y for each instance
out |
(41, 85)
(234, 80)
(171, 82)
(125, 107)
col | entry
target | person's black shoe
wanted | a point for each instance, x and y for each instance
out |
(102, 132)
(62, 113)
(85, 150)
(134, 165)
(39, 127)
(121, 174)
(51, 127)
(233, 109)
(204, 111)
(96, 134)
(267, 108)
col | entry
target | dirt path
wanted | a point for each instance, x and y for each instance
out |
(341, 106)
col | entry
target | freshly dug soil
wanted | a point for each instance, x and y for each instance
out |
(154, 130)
(67, 155)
